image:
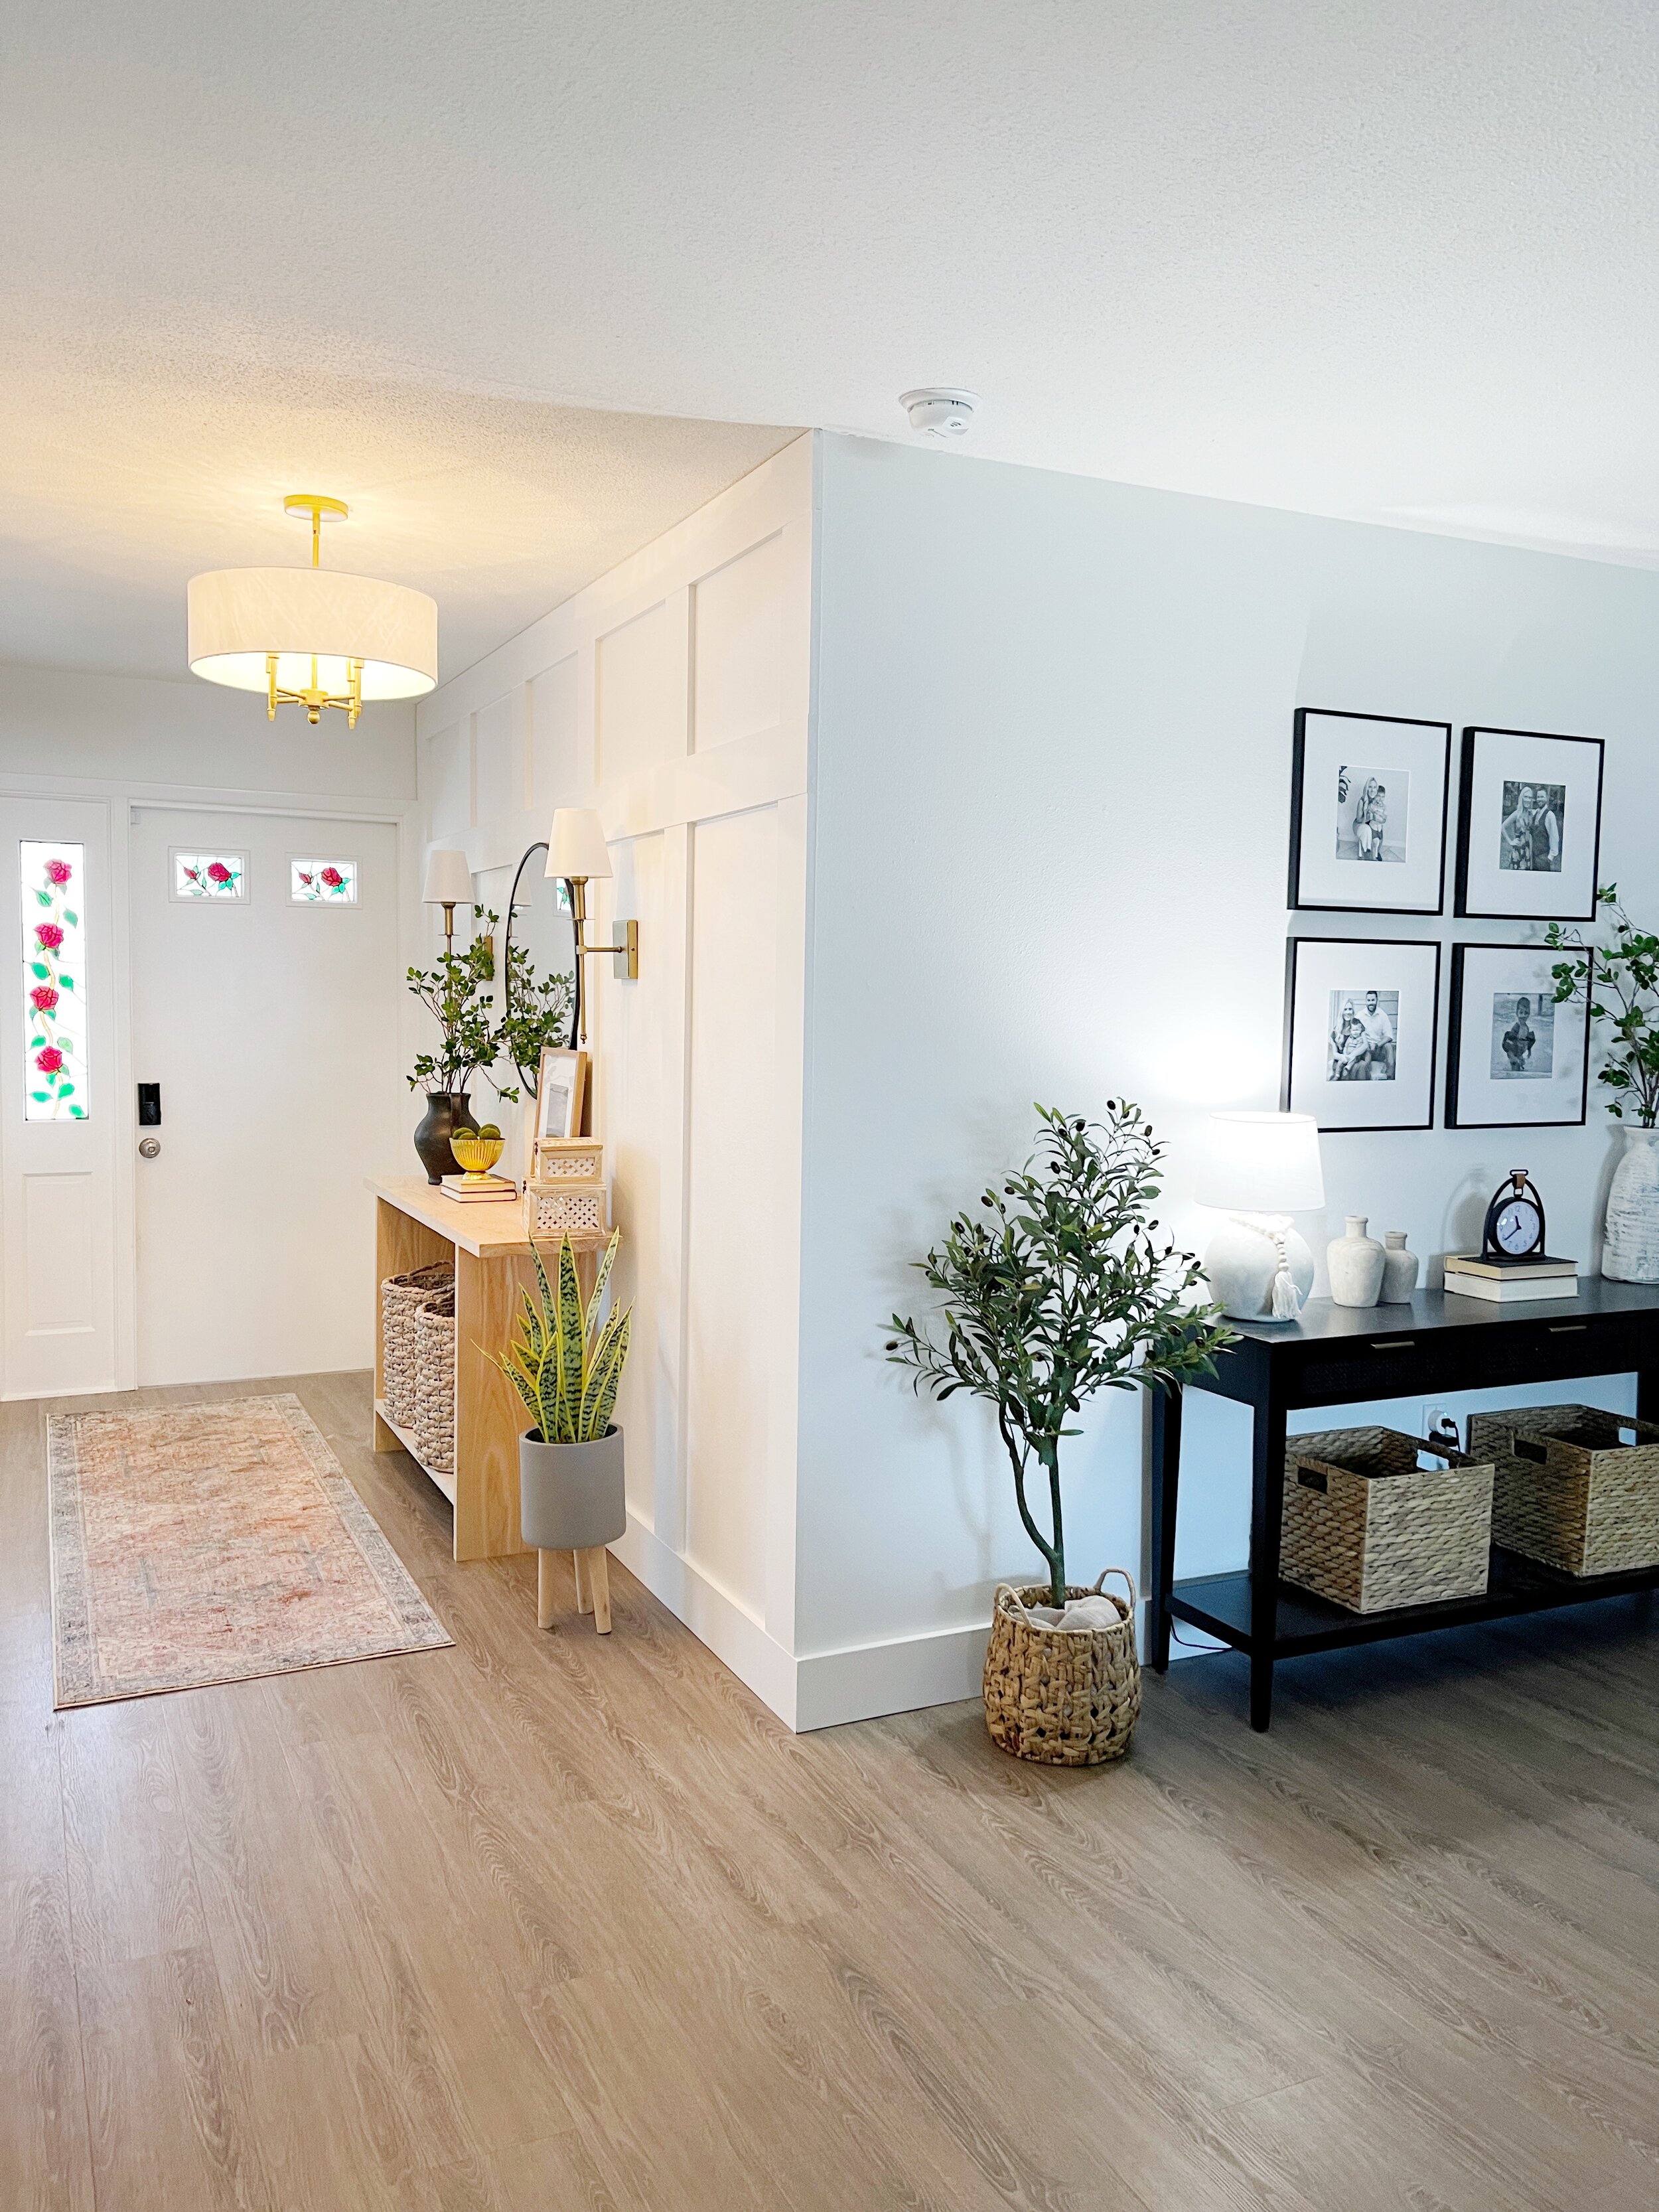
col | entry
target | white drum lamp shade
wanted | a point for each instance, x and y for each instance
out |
(238, 617)
(575, 844)
(448, 878)
(1262, 1163)
(1259, 1168)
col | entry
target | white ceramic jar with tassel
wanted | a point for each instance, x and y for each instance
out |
(1630, 1248)
(1355, 1261)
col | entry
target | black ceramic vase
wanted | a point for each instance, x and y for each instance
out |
(445, 1110)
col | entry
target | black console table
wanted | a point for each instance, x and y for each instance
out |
(1343, 1355)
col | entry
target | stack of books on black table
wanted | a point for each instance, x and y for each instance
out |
(1506, 1282)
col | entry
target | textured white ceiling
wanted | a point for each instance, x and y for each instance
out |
(1392, 258)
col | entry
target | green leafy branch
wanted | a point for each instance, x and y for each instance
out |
(1056, 1289)
(1620, 980)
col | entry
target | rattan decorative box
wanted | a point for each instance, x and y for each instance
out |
(562, 1203)
(1367, 1528)
(1570, 1493)
(579, 1159)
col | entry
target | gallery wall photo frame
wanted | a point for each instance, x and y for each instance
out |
(1530, 826)
(1515, 1060)
(1369, 805)
(1361, 1031)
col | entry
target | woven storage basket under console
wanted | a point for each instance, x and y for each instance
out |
(1367, 1528)
(1570, 1492)
(434, 1383)
(1066, 1697)
(402, 1298)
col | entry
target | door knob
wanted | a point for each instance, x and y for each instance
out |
(149, 1147)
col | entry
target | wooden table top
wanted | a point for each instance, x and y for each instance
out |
(490, 1229)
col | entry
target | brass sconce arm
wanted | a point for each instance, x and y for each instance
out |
(626, 953)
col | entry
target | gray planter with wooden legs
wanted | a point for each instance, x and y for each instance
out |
(572, 1498)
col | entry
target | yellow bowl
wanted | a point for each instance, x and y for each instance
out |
(477, 1154)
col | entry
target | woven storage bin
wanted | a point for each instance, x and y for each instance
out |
(434, 1383)
(1569, 1493)
(556, 1158)
(564, 1203)
(1367, 1528)
(402, 1298)
(1066, 1697)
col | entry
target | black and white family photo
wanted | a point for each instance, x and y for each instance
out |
(1364, 1029)
(1523, 1036)
(1371, 813)
(1530, 836)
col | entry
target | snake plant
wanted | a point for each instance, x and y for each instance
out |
(564, 1363)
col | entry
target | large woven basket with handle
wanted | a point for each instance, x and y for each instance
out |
(1066, 1697)
(1572, 1491)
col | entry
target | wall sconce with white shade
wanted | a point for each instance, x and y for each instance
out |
(1259, 1168)
(448, 884)
(576, 851)
(311, 637)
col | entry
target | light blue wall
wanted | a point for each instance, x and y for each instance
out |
(1051, 795)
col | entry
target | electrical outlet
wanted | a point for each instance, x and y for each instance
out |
(1440, 1426)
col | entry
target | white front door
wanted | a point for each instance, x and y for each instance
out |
(60, 1098)
(267, 991)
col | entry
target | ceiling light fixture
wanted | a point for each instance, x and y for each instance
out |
(938, 412)
(312, 637)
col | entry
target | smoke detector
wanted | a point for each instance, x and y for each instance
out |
(937, 412)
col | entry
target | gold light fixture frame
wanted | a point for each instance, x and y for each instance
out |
(315, 698)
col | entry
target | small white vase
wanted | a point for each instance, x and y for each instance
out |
(1246, 1257)
(1400, 1268)
(1355, 1261)
(1630, 1249)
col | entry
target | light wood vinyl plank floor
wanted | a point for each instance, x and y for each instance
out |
(547, 1921)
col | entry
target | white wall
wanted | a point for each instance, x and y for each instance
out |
(65, 723)
(673, 695)
(1051, 792)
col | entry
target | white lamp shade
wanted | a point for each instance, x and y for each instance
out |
(238, 616)
(1262, 1163)
(575, 844)
(448, 878)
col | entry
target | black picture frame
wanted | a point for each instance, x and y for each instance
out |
(1294, 898)
(1373, 947)
(1454, 1119)
(1467, 769)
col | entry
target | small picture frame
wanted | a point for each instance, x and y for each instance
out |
(323, 882)
(1368, 813)
(1529, 827)
(1514, 1059)
(1362, 1016)
(561, 1092)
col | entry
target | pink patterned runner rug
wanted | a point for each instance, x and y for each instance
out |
(214, 1543)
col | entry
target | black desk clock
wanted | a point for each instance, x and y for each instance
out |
(1514, 1228)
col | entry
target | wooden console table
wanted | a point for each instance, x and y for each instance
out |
(1343, 1355)
(416, 1224)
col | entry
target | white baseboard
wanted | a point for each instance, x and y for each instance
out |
(860, 1682)
(731, 1634)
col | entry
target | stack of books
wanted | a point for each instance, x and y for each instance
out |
(473, 1187)
(1506, 1282)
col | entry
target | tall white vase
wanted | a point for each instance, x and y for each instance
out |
(1355, 1262)
(1629, 1250)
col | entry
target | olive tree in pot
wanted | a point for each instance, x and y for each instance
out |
(1057, 1287)
(566, 1362)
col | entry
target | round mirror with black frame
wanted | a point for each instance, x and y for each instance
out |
(539, 966)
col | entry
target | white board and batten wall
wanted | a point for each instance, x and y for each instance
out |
(673, 695)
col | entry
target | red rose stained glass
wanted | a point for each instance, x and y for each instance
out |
(57, 1084)
(322, 882)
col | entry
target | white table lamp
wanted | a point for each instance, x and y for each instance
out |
(1259, 1170)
